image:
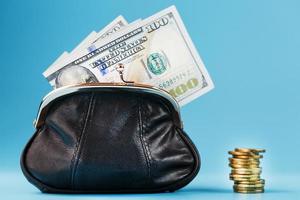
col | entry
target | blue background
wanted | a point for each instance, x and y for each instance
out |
(250, 48)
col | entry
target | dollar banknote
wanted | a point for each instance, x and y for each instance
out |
(156, 51)
(116, 25)
(87, 44)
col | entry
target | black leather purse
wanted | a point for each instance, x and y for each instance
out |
(109, 138)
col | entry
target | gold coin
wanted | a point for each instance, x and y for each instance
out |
(253, 170)
(245, 173)
(249, 191)
(244, 163)
(236, 171)
(243, 166)
(247, 169)
(250, 150)
(248, 161)
(248, 185)
(236, 174)
(244, 179)
(245, 176)
(237, 153)
(248, 157)
(236, 178)
(250, 182)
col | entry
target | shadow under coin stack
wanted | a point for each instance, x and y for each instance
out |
(245, 170)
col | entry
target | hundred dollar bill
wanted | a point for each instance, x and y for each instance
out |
(157, 51)
(105, 34)
(66, 54)
(113, 27)
(116, 25)
(87, 44)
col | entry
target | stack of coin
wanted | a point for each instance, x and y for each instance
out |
(245, 170)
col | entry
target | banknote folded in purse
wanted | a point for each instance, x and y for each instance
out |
(109, 138)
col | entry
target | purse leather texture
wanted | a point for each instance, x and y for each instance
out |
(110, 141)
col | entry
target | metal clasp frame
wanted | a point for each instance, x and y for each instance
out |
(120, 68)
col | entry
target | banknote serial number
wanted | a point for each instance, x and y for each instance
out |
(180, 77)
(181, 88)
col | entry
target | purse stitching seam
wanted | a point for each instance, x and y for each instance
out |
(89, 118)
(146, 143)
(179, 137)
(142, 139)
(74, 162)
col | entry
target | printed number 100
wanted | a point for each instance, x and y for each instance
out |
(182, 88)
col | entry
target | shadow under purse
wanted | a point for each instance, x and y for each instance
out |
(109, 138)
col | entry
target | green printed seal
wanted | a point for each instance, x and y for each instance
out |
(156, 63)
